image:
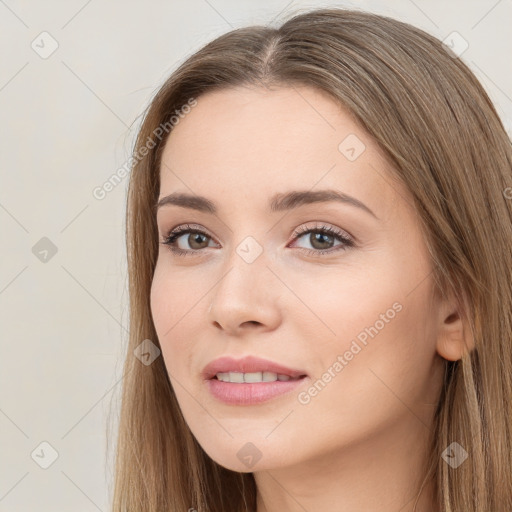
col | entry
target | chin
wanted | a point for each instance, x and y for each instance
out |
(245, 457)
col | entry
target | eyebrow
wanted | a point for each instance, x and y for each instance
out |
(278, 203)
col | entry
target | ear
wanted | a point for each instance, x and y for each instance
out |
(454, 336)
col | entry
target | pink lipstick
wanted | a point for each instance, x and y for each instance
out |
(250, 380)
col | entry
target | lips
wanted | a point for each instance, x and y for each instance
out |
(248, 364)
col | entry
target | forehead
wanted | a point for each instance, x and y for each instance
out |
(244, 143)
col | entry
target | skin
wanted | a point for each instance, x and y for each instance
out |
(359, 443)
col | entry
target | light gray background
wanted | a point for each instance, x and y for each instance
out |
(67, 124)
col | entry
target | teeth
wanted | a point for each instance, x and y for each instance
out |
(252, 377)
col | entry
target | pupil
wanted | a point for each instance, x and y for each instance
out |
(321, 237)
(196, 239)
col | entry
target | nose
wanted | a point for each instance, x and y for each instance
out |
(246, 297)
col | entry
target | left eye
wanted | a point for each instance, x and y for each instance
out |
(319, 238)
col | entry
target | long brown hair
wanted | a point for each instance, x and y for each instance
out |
(438, 127)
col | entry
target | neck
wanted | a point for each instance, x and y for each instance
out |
(382, 474)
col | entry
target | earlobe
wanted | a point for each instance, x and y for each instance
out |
(454, 336)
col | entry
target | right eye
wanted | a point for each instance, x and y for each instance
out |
(195, 237)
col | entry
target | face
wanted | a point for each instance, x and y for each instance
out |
(339, 290)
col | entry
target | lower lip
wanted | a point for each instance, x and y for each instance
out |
(244, 393)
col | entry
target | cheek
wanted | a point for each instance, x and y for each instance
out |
(178, 307)
(375, 344)
(161, 302)
(170, 303)
(378, 367)
(173, 299)
(340, 302)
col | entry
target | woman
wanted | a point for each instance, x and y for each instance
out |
(320, 251)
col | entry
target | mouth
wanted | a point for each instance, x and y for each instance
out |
(254, 377)
(251, 388)
(249, 369)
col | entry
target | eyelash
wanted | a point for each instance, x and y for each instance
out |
(347, 242)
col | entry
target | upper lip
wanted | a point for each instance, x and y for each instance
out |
(247, 364)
